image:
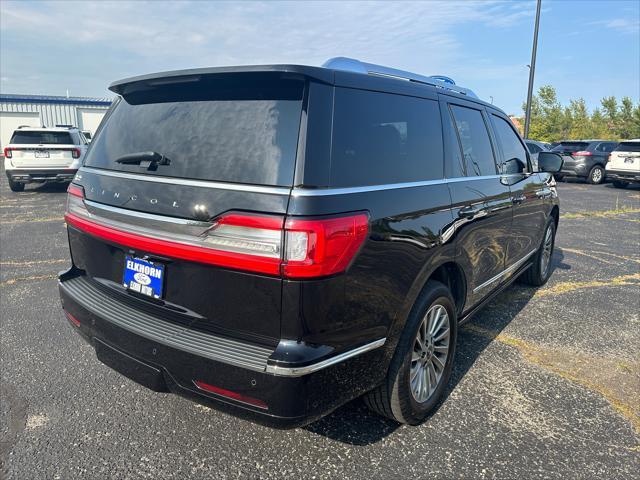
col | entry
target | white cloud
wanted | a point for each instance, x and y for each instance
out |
(621, 25)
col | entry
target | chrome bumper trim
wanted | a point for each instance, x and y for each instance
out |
(307, 369)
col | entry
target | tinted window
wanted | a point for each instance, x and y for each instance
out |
(570, 147)
(474, 140)
(515, 155)
(628, 147)
(381, 138)
(454, 166)
(606, 147)
(244, 131)
(533, 148)
(21, 137)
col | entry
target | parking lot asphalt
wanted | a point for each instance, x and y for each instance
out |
(546, 384)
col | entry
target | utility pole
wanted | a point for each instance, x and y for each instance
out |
(532, 71)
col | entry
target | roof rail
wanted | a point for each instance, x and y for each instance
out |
(356, 66)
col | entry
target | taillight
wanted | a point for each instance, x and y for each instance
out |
(582, 153)
(268, 244)
(317, 248)
(7, 152)
(75, 190)
(609, 157)
(75, 152)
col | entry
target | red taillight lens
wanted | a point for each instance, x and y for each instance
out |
(295, 248)
(317, 248)
(75, 190)
(72, 319)
(75, 152)
(582, 153)
(7, 152)
(229, 394)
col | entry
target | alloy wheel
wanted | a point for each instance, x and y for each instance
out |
(430, 353)
(596, 175)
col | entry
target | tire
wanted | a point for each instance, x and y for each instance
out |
(620, 184)
(538, 273)
(395, 398)
(596, 175)
(16, 186)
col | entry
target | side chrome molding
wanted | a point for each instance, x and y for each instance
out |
(506, 271)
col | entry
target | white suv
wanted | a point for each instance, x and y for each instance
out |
(40, 154)
(623, 166)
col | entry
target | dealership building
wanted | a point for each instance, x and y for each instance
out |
(49, 111)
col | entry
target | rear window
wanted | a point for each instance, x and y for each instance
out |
(628, 147)
(381, 138)
(229, 130)
(571, 147)
(36, 138)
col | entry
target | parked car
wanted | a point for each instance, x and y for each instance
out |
(535, 148)
(623, 166)
(41, 154)
(585, 159)
(275, 241)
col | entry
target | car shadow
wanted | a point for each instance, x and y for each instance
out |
(355, 424)
(50, 187)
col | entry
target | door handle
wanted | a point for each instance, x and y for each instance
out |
(518, 200)
(468, 212)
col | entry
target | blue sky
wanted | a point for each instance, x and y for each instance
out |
(587, 49)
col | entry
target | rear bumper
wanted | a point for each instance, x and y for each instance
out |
(41, 175)
(165, 356)
(576, 170)
(623, 175)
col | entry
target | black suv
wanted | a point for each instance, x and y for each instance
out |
(277, 240)
(584, 159)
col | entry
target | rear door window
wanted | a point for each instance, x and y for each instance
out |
(474, 140)
(606, 147)
(513, 151)
(570, 147)
(381, 138)
(232, 130)
(21, 137)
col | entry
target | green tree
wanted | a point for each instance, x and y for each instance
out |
(610, 109)
(625, 127)
(599, 127)
(581, 123)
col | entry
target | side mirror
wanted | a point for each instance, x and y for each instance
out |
(549, 162)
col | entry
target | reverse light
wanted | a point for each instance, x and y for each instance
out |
(581, 153)
(229, 394)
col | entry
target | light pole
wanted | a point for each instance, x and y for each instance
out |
(532, 71)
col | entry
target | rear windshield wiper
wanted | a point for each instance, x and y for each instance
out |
(148, 160)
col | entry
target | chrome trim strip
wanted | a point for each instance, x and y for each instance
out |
(505, 272)
(95, 207)
(318, 192)
(238, 187)
(307, 369)
(295, 192)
